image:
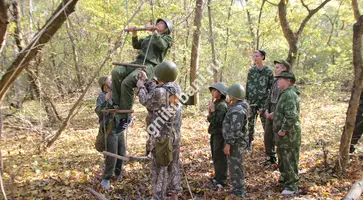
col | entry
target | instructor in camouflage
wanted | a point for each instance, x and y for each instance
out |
(286, 123)
(269, 107)
(235, 136)
(259, 82)
(165, 111)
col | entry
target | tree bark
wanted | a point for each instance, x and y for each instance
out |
(195, 49)
(258, 25)
(346, 138)
(4, 21)
(211, 40)
(355, 192)
(293, 37)
(227, 41)
(38, 42)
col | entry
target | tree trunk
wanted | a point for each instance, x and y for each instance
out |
(185, 65)
(258, 25)
(38, 42)
(4, 21)
(75, 54)
(346, 138)
(227, 41)
(211, 39)
(195, 50)
(355, 192)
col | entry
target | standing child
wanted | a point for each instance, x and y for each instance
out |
(114, 142)
(216, 112)
(235, 136)
(162, 103)
(286, 125)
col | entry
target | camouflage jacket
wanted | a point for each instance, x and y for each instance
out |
(216, 118)
(287, 118)
(101, 104)
(273, 97)
(235, 124)
(159, 46)
(165, 117)
(259, 83)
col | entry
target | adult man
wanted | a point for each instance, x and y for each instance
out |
(358, 128)
(286, 123)
(259, 82)
(270, 105)
(153, 49)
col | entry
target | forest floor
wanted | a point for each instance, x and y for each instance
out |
(72, 164)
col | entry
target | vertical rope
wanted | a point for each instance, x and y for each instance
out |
(153, 22)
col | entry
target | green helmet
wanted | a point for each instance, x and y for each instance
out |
(220, 86)
(166, 71)
(101, 81)
(168, 24)
(237, 91)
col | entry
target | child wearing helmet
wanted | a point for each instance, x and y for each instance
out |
(235, 136)
(217, 110)
(164, 128)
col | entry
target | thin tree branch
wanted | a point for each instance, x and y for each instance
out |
(307, 18)
(274, 4)
(303, 3)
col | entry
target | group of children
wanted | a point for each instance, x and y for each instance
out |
(232, 115)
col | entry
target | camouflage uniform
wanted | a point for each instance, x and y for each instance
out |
(259, 83)
(149, 86)
(286, 118)
(217, 142)
(124, 79)
(270, 106)
(358, 128)
(164, 179)
(115, 142)
(235, 134)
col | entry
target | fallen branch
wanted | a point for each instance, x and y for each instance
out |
(2, 187)
(126, 158)
(96, 194)
(116, 111)
(356, 191)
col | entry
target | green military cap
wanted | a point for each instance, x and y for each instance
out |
(285, 63)
(237, 91)
(287, 75)
(101, 81)
(220, 86)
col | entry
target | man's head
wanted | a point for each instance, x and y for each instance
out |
(259, 56)
(164, 26)
(236, 92)
(285, 79)
(281, 65)
(105, 83)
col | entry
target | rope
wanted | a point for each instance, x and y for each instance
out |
(153, 22)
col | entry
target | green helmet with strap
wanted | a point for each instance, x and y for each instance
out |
(237, 91)
(220, 86)
(169, 25)
(166, 71)
(101, 81)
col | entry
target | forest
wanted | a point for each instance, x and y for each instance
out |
(54, 51)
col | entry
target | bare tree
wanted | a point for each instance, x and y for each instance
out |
(211, 40)
(194, 60)
(227, 41)
(291, 36)
(38, 42)
(346, 138)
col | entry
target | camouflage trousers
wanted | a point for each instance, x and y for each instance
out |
(269, 139)
(124, 81)
(236, 170)
(252, 118)
(289, 167)
(166, 180)
(219, 158)
(116, 145)
(358, 128)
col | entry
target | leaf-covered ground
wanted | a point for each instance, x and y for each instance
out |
(72, 164)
